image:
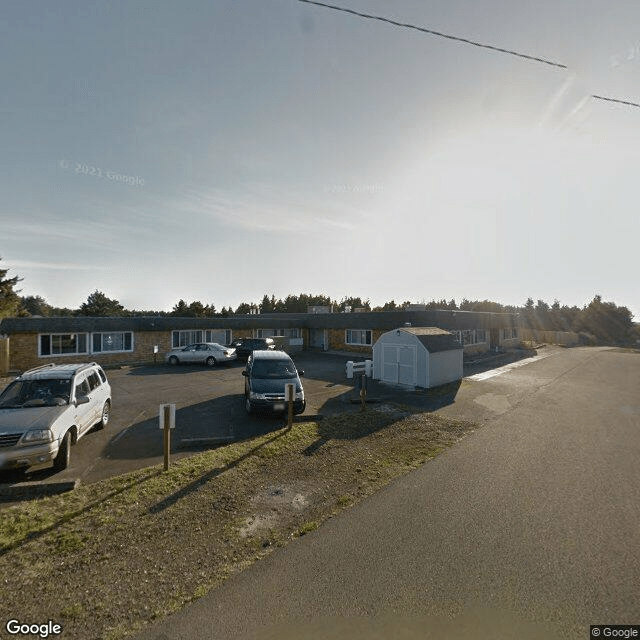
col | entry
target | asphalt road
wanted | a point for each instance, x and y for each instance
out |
(528, 528)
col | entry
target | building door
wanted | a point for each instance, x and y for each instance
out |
(494, 336)
(318, 339)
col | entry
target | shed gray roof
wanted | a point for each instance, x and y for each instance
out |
(433, 338)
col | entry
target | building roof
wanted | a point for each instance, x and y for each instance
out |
(433, 338)
(381, 320)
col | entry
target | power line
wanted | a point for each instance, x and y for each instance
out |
(437, 33)
(463, 40)
(627, 102)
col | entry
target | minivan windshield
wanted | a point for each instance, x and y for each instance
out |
(276, 369)
(36, 393)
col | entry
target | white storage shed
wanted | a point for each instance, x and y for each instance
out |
(417, 357)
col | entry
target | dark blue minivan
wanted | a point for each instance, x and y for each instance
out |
(266, 375)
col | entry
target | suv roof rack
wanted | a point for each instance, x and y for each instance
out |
(86, 365)
(42, 366)
(81, 366)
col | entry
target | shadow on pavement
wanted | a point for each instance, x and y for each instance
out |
(164, 369)
(202, 425)
(488, 361)
(377, 392)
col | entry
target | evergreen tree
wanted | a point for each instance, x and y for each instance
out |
(181, 309)
(244, 307)
(35, 306)
(99, 305)
(9, 299)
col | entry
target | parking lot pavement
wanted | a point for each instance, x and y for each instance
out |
(210, 410)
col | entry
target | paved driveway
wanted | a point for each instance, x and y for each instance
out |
(528, 528)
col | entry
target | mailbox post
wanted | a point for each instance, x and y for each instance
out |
(289, 394)
(167, 417)
(359, 371)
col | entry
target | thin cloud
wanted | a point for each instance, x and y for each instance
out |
(262, 207)
(63, 266)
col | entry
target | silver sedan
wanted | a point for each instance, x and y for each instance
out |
(209, 353)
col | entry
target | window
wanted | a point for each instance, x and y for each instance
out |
(358, 336)
(188, 336)
(94, 380)
(82, 388)
(221, 336)
(511, 332)
(118, 341)
(56, 344)
(468, 337)
(184, 338)
(268, 333)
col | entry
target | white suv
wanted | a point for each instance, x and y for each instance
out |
(46, 410)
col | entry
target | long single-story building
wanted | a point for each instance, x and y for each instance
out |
(34, 341)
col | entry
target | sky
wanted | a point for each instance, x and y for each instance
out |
(218, 151)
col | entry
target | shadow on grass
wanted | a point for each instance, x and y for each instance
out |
(68, 517)
(210, 475)
(359, 423)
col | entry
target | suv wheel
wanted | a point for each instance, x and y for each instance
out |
(63, 459)
(106, 414)
(210, 361)
(173, 361)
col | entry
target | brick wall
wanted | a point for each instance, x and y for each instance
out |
(4, 356)
(337, 341)
(23, 351)
(567, 338)
(475, 349)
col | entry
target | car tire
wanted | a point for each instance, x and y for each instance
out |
(106, 414)
(248, 406)
(210, 361)
(173, 361)
(63, 459)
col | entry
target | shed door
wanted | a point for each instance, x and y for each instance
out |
(390, 363)
(407, 365)
(399, 364)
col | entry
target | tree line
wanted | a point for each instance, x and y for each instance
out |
(598, 322)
